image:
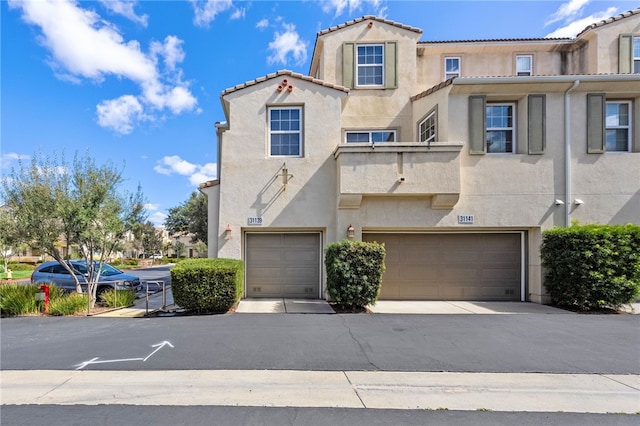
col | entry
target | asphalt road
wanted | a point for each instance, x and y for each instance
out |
(602, 344)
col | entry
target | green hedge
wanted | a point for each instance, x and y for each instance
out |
(207, 285)
(354, 272)
(14, 266)
(592, 266)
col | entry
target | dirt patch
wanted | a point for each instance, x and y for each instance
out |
(344, 310)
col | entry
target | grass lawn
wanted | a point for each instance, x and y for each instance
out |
(16, 275)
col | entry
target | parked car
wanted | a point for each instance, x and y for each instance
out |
(110, 277)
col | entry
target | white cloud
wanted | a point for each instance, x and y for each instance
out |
(197, 174)
(573, 28)
(7, 159)
(238, 13)
(285, 43)
(120, 114)
(206, 11)
(158, 219)
(567, 11)
(87, 46)
(152, 206)
(125, 8)
(338, 7)
(263, 23)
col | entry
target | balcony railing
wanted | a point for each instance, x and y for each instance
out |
(412, 169)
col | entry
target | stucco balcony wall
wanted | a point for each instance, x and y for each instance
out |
(406, 169)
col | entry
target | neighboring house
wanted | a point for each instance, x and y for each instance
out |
(456, 154)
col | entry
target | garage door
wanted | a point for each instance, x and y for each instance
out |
(451, 266)
(283, 265)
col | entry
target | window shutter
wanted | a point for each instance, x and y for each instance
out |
(390, 65)
(536, 126)
(477, 124)
(625, 54)
(595, 123)
(348, 64)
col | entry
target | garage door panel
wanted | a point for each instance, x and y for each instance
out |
(283, 265)
(451, 266)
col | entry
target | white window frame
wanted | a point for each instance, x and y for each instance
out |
(511, 129)
(636, 55)
(424, 127)
(450, 74)
(524, 72)
(618, 126)
(370, 135)
(282, 132)
(363, 66)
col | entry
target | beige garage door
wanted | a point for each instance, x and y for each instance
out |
(451, 266)
(283, 265)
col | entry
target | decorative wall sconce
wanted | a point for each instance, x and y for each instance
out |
(351, 232)
(578, 202)
(558, 202)
(285, 175)
(227, 232)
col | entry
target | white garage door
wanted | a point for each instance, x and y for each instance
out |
(283, 265)
(451, 266)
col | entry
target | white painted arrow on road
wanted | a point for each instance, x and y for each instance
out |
(97, 360)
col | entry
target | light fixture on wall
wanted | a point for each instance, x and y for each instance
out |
(227, 232)
(559, 202)
(351, 232)
(578, 202)
(285, 175)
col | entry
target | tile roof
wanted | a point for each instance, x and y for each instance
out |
(433, 89)
(498, 40)
(279, 74)
(366, 18)
(610, 20)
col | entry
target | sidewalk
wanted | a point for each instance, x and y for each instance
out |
(575, 393)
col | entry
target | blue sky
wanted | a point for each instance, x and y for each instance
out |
(138, 82)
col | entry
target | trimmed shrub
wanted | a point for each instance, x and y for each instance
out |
(207, 286)
(14, 266)
(592, 266)
(117, 298)
(354, 272)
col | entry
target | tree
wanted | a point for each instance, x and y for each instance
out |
(81, 202)
(9, 237)
(148, 236)
(189, 218)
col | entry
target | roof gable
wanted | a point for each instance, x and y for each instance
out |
(281, 73)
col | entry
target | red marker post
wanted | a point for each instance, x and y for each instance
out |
(45, 289)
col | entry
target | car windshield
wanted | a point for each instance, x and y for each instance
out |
(108, 270)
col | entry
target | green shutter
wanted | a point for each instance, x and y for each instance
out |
(348, 64)
(595, 123)
(625, 53)
(536, 123)
(477, 125)
(390, 65)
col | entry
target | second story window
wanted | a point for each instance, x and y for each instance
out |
(500, 119)
(636, 54)
(618, 129)
(371, 136)
(451, 67)
(285, 131)
(524, 65)
(428, 127)
(370, 67)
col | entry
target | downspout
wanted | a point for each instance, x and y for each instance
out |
(567, 153)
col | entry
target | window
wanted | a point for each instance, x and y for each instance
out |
(451, 68)
(370, 65)
(524, 65)
(371, 136)
(428, 127)
(500, 128)
(636, 55)
(618, 130)
(285, 134)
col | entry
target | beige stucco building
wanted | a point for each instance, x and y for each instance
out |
(456, 154)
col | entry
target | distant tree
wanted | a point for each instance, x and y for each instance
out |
(148, 238)
(189, 218)
(81, 202)
(200, 248)
(178, 247)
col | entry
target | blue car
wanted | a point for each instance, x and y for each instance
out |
(54, 273)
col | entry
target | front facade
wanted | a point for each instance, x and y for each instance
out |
(457, 155)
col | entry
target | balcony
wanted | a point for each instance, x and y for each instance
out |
(412, 169)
